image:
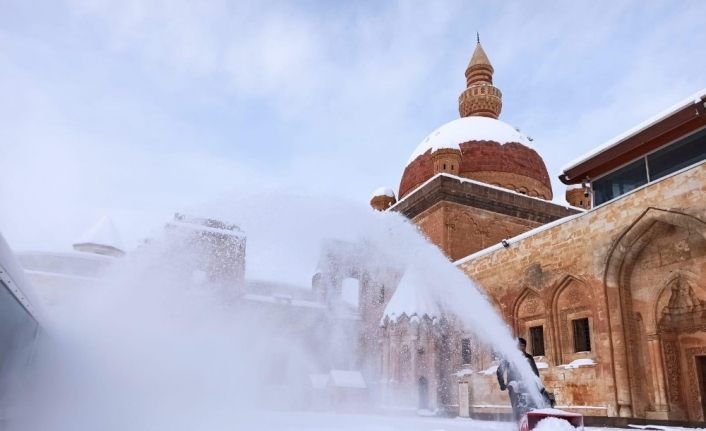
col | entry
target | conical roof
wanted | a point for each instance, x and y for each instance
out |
(413, 297)
(479, 57)
(102, 233)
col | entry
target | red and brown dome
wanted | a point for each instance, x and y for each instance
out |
(491, 151)
(478, 145)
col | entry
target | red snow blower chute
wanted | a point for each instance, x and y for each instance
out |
(530, 420)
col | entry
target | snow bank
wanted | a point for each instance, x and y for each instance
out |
(461, 130)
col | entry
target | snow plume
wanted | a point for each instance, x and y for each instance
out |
(158, 349)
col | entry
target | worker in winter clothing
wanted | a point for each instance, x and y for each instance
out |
(511, 379)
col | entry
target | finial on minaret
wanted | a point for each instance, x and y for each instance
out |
(480, 97)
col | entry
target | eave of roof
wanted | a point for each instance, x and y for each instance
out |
(603, 158)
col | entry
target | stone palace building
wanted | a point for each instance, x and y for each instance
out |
(609, 290)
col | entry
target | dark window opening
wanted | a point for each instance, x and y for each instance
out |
(677, 156)
(444, 166)
(466, 350)
(620, 182)
(537, 340)
(582, 335)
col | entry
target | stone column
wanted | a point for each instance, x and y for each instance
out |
(660, 393)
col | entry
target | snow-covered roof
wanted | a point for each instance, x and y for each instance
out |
(347, 379)
(465, 129)
(102, 232)
(412, 298)
(384, 191)
(691, 100)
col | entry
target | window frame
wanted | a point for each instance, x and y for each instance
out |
(532, 340)
(588, 334)
(644, 158)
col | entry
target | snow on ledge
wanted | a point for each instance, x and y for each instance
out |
(489, 371)
(578, 363)
(480, 183)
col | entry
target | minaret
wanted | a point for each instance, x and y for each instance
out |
(480, 97)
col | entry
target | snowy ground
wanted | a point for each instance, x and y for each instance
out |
(351, 422)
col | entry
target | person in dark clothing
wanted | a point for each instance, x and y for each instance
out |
(511, 379)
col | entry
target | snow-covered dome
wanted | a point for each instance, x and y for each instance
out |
(412, 298)
(491, 151)
(454, 133)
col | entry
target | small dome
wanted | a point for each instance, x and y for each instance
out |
(492, 152)
(383, 198)
(384, 191)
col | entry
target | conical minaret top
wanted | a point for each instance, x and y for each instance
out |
(480, 97)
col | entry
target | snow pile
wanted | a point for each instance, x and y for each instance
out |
(461, 130)
(412, 298)
(583, 362)
(574, 186)
(554, 424)
(384, 191)
(542, 365)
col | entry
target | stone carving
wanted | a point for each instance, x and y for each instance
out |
(671, 359)
(694, 398)
(683, 299)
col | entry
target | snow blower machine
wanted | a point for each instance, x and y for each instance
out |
(544, 419)
(551, 419)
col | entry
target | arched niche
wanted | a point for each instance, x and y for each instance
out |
(530, 311)
(652, 224)
(573, 301)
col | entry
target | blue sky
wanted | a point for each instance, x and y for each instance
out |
(138, 109)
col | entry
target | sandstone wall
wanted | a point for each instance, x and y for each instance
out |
(615, 265)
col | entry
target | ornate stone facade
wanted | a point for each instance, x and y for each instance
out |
(636, 268)
(614, 295)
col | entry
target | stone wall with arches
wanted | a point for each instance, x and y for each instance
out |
(633, 273)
